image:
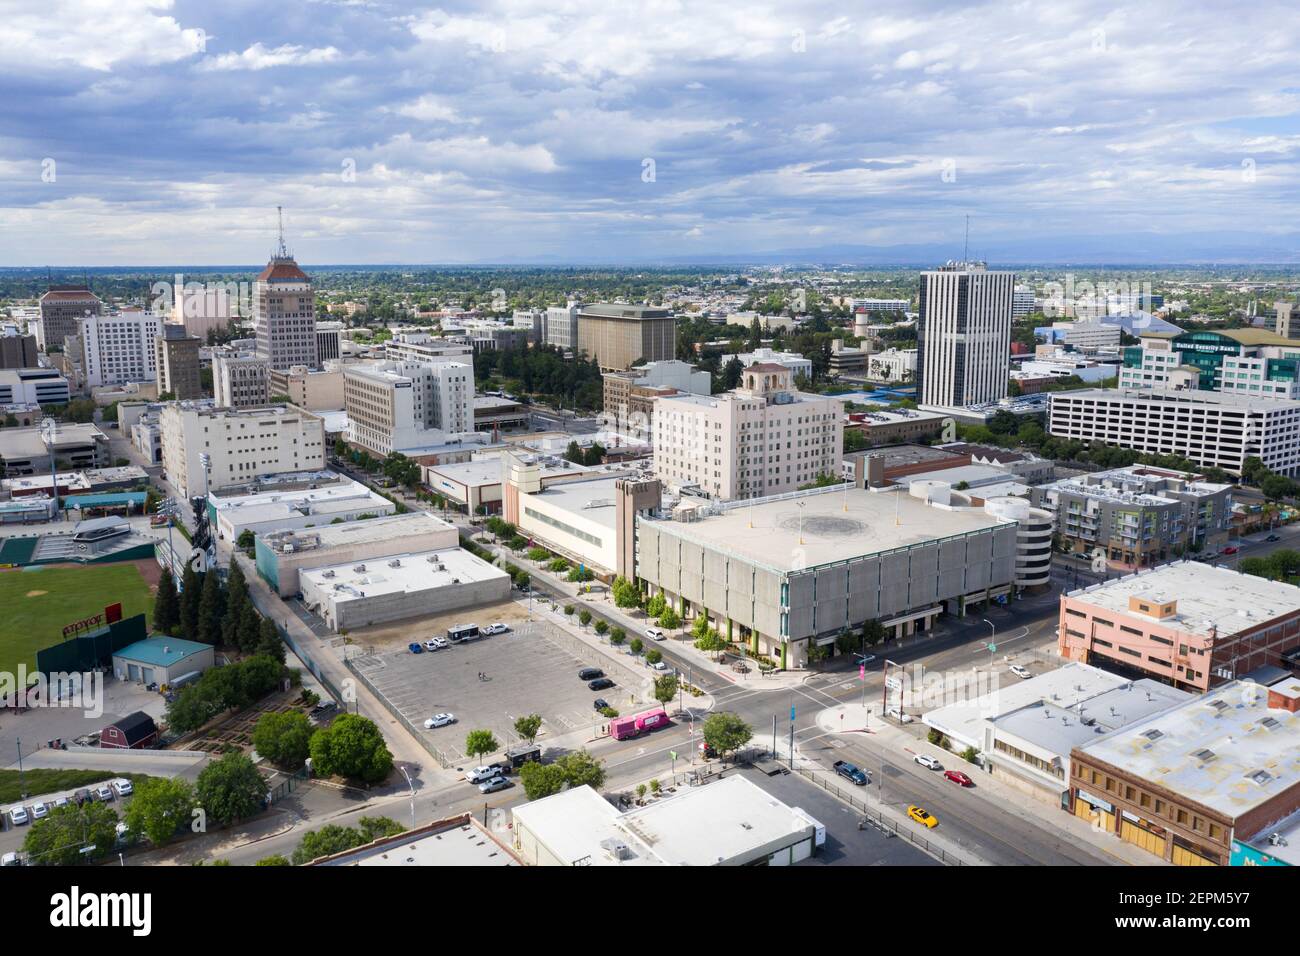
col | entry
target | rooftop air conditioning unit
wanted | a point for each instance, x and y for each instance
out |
(359, 568)
(328, 574)
(455, 580)
(395, 563)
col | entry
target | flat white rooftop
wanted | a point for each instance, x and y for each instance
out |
(837, 525)
(1212, 600)
(699, 826)
(463, 844)
(400, 574)
(1225, 750)
(591, 498)
(383, 528)
(483, 472)
(330, 489)
(1189, 396)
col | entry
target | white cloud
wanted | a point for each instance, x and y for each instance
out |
(96, 34)
(261, 57)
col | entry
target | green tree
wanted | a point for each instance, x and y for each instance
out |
(326, 841)
(283, 738)
(653, 656)
(541, 780)
(572, 770)
(725, 732)
(617, 636)
(59, 839)
(873, 632)
(481, 742)
(665, 688)
(212, 607)
(584, 617)
(352, 747)
(236, 600)
(231, 788)
(166, 607)
(636, 646)
(273, 860)
(670, 619)
(528, 726)
(656, 605)
(191, 595)
(602, 626)
(159, 807)
(625, 592)
(246, 540)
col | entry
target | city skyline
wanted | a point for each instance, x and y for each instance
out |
(512, 132)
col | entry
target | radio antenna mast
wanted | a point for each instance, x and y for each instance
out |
(965, 247)
(282, 252)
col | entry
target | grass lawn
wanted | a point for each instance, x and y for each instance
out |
(35, 605)
(41, 781)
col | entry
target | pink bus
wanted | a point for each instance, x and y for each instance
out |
(621, 728)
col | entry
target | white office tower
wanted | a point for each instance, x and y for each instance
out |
(964, 335)
(119, 348)
(284, 313)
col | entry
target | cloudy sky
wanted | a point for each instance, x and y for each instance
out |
(148, 131)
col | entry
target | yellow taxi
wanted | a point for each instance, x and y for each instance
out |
(922, 817)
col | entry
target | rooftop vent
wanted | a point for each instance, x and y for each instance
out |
(1152, 735)
(1261, 777)
(360, 568)
(395, 563)
(1205, 755)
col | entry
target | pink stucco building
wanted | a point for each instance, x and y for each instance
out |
(1193, 625)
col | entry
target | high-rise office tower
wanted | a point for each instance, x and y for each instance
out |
(284, 312)
(61, 307)
(964, 335)
(1287, 326)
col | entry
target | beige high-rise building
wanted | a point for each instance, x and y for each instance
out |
(1287, 325)
(616, 335)
(407, 406)
(61, 307)
(178, 363)
(284, 313)
(764, 438)
(964, 335)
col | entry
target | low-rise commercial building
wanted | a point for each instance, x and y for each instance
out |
(33, 386)
(424, 583)
(475, 486)
(892, 365)
(630, 395)
(890, 426)
(731, 822)
(294, 505)
(315, 390)
(74, 447)
(795, 362)
(455, 841)
(1138, 516)
(793, 571)
(1190, 624)
(1214, 429)
(574, 518)
(1025, 730)
(1187, 783)
(282, 554)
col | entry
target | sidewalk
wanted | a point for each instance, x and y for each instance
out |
(854, 719)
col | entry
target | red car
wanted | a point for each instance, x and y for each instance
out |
(1229, 550)
(956, 776)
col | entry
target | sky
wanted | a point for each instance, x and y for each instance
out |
(149, 131)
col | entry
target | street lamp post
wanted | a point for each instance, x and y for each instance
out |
(412, 786)
(993, 646)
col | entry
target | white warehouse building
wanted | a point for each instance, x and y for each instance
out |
(349, 596)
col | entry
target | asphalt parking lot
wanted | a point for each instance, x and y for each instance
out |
(846, 845)
(526, 671)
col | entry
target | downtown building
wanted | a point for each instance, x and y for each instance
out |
(62, 306)
(240, 444)
(1138, 516)
(1213, 429)
(177, 361)
(17, 350)
(119, 348)
(630, 396)
(964, 335)
(764, 438)
(284, 313)
(1249, 362)
(617, 336)
(1190, 624)
(407, 407)
(240, 379)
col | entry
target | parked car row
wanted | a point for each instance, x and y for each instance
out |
(595, 678)
(21, 815)
(460, 632)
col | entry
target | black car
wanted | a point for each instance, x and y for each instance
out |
(599, 704)
(1273, 537)
(590, 673)
(603, 684)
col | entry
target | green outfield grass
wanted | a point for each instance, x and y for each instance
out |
(35, 605)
